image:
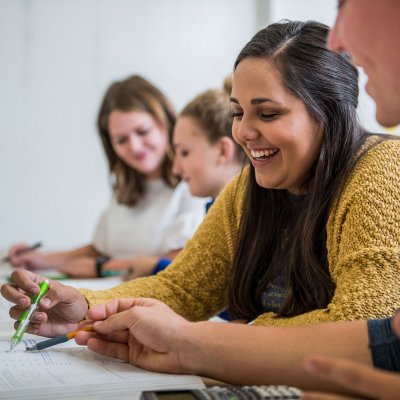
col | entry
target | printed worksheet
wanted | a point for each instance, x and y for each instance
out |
(75, 372)
(69, 371)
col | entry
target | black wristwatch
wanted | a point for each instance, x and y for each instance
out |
(99, 264)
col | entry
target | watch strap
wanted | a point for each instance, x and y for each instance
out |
(99, 265)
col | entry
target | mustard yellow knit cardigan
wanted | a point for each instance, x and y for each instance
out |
(363, 243)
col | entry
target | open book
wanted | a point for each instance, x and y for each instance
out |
(77, 373)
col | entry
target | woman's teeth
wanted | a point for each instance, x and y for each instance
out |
(263, 154)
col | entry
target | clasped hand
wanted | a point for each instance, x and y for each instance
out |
(143, 332)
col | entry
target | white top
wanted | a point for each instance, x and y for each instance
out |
(163, 220)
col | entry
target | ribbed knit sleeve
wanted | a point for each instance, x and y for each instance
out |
(195, 284)
(363, 242)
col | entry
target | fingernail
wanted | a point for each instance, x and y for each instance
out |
(23, 302)
(46, 301)
(40, 317)
(35, 289)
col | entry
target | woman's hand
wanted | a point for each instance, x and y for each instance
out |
(32, 260)
(60, 310)
(144, 332)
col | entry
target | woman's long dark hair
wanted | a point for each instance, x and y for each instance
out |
(274, 241)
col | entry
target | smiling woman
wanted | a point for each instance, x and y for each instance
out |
(303, 144)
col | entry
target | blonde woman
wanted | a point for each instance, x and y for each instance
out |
(151, 214)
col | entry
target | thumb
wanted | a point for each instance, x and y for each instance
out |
(58, 293)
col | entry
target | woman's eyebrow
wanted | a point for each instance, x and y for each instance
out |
(256, 101)
(261, 100)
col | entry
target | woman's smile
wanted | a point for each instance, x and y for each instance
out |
(261, 157)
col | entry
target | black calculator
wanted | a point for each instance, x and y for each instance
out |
(227, 393)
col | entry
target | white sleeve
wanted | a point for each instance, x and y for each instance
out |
(190, 212)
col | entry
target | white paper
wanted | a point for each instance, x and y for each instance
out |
(76, 372)
(69, 371)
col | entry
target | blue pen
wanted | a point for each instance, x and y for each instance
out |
(26, 316)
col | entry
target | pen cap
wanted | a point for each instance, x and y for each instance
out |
(44, 287)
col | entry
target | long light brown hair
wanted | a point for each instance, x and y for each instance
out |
(135, 94)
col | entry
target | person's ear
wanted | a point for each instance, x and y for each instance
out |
(226, 148)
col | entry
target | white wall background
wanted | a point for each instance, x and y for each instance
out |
(58, 57)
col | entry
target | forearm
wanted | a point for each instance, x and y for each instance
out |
(60, 259)
(243, 354)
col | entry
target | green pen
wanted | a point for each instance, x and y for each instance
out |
(25, 317)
